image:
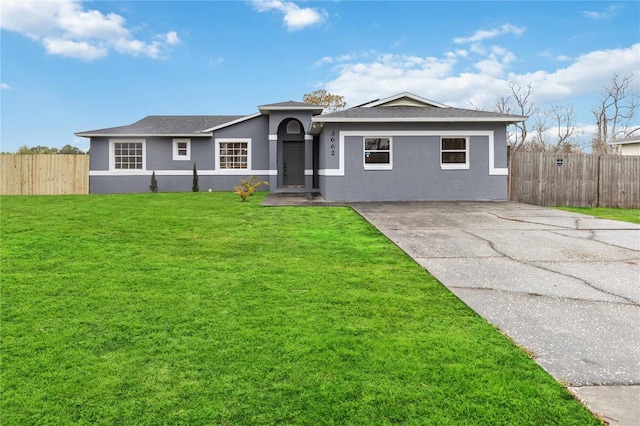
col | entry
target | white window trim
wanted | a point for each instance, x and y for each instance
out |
(233, 171)
(455, 166)
(112, 157)
(377, 166)
(178, 157)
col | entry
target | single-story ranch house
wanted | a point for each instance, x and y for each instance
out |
(403, 147)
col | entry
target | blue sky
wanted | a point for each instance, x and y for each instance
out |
(81, 65)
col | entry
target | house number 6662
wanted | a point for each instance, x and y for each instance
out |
(333, 143)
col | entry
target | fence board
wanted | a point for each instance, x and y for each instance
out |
(44, 174)
(580, 180)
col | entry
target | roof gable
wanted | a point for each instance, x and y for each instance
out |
(404, 99)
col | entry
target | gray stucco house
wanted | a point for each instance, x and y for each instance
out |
(403, 147)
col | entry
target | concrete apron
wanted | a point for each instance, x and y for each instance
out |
(564, 286)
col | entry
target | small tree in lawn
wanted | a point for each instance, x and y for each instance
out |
(195, 187)
(154, 182)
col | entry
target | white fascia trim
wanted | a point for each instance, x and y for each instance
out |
(320, 119)
(290, 108)
(628, 141)
(231, 123)
(405, 95)
(234, 172)
(493, 171)
(146, 135)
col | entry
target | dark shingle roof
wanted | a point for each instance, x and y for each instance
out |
(166, 125)
(412, 113)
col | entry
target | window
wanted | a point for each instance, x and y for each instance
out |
(182, 149)
(293, 127)
(233, 155)
(454, 153)
(127, 155)
(377, 153)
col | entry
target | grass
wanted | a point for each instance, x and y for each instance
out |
(197, 308)
(625, 215)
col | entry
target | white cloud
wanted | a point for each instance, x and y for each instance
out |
(172, 38)
(5, 86)
(605, 14)
(74, 49)
(216, 61)
(295, 17)
(341, 58)
(481, 35)
(382, 75)
(587, 73)
(64, 28)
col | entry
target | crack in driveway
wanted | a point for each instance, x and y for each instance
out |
(537, 265)
(532, 294)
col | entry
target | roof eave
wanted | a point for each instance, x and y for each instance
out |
(138, 135)
(265, 108)
(320, 119)
(624, 142)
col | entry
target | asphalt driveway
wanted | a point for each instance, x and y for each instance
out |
(563, 285)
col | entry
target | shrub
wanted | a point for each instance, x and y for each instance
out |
(195, 187)
(248, 186)
(154, 182)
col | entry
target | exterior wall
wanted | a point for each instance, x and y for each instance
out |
(177, 175)
(416, 173)
(129, 184)
(630, 149)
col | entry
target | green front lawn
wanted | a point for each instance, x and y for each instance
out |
(625, 215)
(200, 309)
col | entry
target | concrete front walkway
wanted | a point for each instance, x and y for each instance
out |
(563, 285)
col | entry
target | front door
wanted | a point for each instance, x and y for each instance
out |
(293, 164)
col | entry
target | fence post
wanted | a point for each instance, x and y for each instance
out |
(599, 157)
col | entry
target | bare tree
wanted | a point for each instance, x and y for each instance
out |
(519, 102)
(540, 141)
(474, 104)
(566, 129)
(614, 114)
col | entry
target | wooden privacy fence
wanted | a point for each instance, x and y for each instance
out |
(579, 180)
(44, 174)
